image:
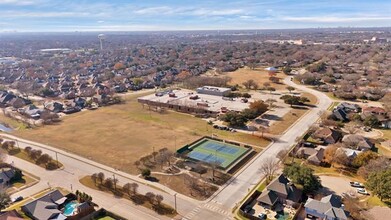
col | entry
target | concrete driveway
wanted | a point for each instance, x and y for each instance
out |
(336, 184)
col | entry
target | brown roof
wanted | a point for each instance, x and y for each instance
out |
(10, 215)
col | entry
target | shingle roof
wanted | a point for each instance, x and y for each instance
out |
(279, 185)
(329, 205)
(45, 207)
(268, 197)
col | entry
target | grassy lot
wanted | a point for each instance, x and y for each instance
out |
(119, 135)
(12, 123)
(137, 199)
(375, 201)
(291, 117)
(259, 75)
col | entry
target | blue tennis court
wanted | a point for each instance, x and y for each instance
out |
(209, 150)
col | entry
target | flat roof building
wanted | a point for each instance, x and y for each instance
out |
(211, 90)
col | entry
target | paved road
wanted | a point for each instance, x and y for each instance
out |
(218, 207)
(76, 167)
(249, 176)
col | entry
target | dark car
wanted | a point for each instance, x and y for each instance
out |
(17, 199)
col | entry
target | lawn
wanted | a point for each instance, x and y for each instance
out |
(259, 75)
(291, 117)
(9, 122)
(119, 135)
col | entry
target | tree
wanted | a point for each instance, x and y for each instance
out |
(109, 183)
(94, 178)
(158, 199)
(234, 119)
(363, 158)
(44, 159)
(376, 165)
(269, 167)
(304, 176)
(290, 88)
(270, 102)
(115, 181)
(371, 121)
(287, 70)
(271, 89)
(380, 183)
(146, 173)
(150, 196)
(258, 106)
(214, 165)
(134, 188)
(101, 177)
(5, 200)
(250, 84)
(282, 154)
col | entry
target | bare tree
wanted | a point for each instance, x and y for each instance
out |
(101, 177)
(268, 167)
(282, 154)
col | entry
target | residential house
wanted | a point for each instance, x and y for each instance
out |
(375, 110)
(380, 113)
(10, 215)
(280, 191)
(349, 107)
(350, 153)
(327, 135)
(46, 207)
(313, 155)
(32, 111)
(340, 114)
(357, 142)
(328, 208)
(6, 175)
(343, 109)
(54, 106)
(317, 158)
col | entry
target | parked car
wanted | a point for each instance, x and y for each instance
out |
(262, 216)
(356, 184)
(17, 199)
(362, 191)
(248, 209)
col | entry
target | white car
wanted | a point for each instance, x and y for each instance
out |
(362, 191)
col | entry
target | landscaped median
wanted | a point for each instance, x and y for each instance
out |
(129, 191)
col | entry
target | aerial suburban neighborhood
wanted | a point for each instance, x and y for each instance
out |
(230, 122)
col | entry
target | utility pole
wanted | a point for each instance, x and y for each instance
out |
(115, 185)
(57, 159)
(175, 201)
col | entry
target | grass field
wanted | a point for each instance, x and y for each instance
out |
(291, 117)
(208, 150)
(119, 135)
(259, 75)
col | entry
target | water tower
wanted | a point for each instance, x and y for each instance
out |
(101, 37)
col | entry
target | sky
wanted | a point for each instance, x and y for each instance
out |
(154, 15)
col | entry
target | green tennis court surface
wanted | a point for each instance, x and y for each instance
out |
(211, 151)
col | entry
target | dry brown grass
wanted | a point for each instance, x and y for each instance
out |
(291, 117)
(180, 185)
(259, 75)
(121, 134)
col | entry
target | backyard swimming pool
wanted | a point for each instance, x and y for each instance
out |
(70, 208)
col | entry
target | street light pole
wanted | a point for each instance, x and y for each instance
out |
(57, 160)
(175, 201)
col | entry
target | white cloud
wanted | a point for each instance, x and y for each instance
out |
(19, 2)
(334, 19)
